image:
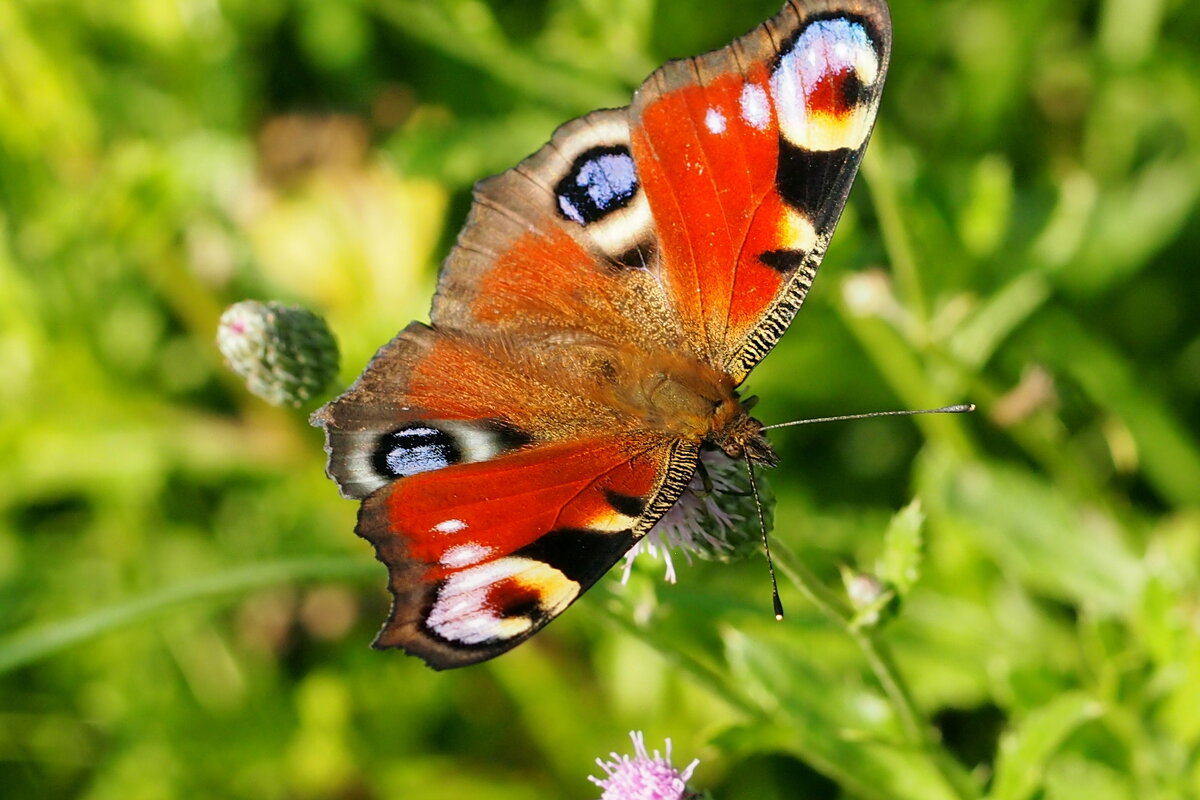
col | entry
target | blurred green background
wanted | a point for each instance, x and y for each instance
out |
(185, 612)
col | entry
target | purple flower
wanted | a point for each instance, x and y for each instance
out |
(643, 777)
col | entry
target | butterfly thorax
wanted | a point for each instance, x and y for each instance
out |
(681, 396)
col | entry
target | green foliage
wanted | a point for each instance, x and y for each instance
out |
(184, 610)
(903, 546)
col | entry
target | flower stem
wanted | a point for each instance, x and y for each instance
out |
(885, 196)
(917, 732)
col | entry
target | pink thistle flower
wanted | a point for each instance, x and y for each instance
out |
(643, 777)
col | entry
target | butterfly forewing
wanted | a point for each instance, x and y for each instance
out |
(746, 156)
(563, 241)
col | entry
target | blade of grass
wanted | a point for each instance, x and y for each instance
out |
(1168, 454)
(43, 641)
(885, 198)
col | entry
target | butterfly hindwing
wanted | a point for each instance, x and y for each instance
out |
(482, 555)
(467, 398)
(494, 497)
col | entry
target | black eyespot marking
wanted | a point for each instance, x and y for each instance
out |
(527, 604)
(600, 181)
(783, 260)
(853, 90)
(414, 448)
(424, 445)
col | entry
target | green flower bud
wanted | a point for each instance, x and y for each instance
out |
(286, 354)
(875, 602)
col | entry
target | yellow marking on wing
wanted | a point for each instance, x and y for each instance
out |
(825, 132)
(611, 521)
(555, 590)
(796, 231)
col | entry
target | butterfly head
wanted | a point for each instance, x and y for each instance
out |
(743, 437)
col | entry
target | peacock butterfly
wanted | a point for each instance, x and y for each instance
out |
(604, 301)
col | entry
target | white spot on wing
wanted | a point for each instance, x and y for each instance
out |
(756, 109)
(464, 555)
(450, 526)
(476, 443)
(714, 120)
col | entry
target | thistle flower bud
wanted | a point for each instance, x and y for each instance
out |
(874, 601)
(286, 354)
(713, 520)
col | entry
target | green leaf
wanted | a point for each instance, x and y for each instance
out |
(903, 548)
(1072, 778)
(1167, 450)
(1068, 550)
(834, 724)
(1027, 749)
(441, 26)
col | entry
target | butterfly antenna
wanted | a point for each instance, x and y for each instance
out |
(964, 408)
(762, 526)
